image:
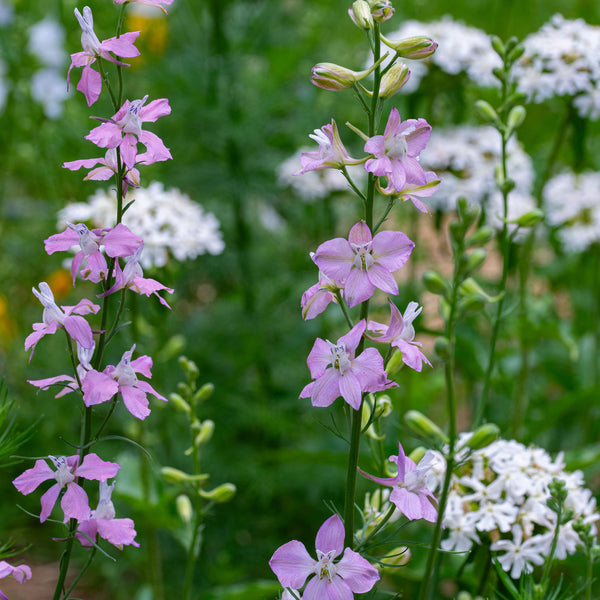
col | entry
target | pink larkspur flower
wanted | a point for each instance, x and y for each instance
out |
(413, 191)
(131, 276)
(109, 166)
(409, 486)
(401, 334)
(74, 501)
(124, 131)
(21, 572)
(102, 522)
(318, 296)
(90, 84)
(63, 317)
(331, 153)
(337, 372)
(157, 3)
(100, 387)
(364, 262)
(352, 574)
(395, 152)
(118, 241)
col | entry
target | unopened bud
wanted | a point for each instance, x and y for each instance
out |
(206, 431)
(414, 48)
(529, 219)
(515, 118)
(189, 366)
(480, 237)
(435, 283)
(393, 80)
(173, 475)
(204, 393)
(473, 260)
(417, 454)
(398, 557)
(483, 436)
(382, 10)
(184, 508)
(487, 113)
(468, 213)
(394, 364)
(472, 303)
(498, 45)
(360, 13)
(330, 76)
(179, 403)
(424, 427)
(222, 493)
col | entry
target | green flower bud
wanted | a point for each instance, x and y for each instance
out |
(222, 493)
(515, 118)
(487, 113)
(184, 508)
(395, 363)
(205, 434)
(443, 348)
(204, 393)
(393, 80)
(483, 436)
(360, 13)
(179, 403)
(529, 219)
(468, 213)
(420, 425)
(472, 303)
(414, 48)
(498, 46)
(470, 262)
(172, 475)
(398, 557)
(417, 454)
(330, 76)
(480, 237)
(435, 283)
(189, 366)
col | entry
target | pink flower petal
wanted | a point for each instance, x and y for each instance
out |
(331, 536)
(48, 500)
(350, 389)
(357, 572)
(326, 388)
(292, 564)
(319, 358)
(135, 402)
(381, 278)
(29, 480)
(75, 503)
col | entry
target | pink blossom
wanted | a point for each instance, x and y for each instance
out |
(157, 3)
(412, 191)
(401, 334)
(64, 317)
(292, 564)
(102, 522)
(90, 84)
(20, 572)
(331, 152)
(364, 262)
(409, 486)
(396, 151)
(131, 276)
(100, 387)
(109, 166)
(117, 241)
(337, 372)
(74, 501)
(317, 297)
(124, 130)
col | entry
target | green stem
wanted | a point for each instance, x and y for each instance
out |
(351, 477)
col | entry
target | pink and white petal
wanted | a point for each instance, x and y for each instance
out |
(307, 390)
(352, 339)
(417, 139)
(155, 109)
(331, 536)
(79, 59)
(379, 328)
(314, 301)
(62, 241)
(156, 149)
(357, 288)
(381, 167)
(93, 467)
(106, 135)
(74, 165)
(79, 329)
(75, 503)
(77, 261)
(128, 149)
(360, 234)
(123, 45)
(121, 241)
(394, 123)
(21, 573)
(83, 307)
(381, 278)
(135, 401)
(98, 387)
(414, 171)
(387, 481)
(326, 388)
(147, 287)
(90, 84)
(408, 503)
(323, 589)
(357, 572)
(319, 358)
(33, 338)
(29, 480)
(145, 387)
(411, 355)
(392, 249)
(292, 564)
(368, 368)
(375, 145)
(350, 389)
(143, 365)
(99, 174)
(119, 532)
(88, 527)
(48, 500)
(96, 269)
(428, 511)
(44, 384)
(335, 258)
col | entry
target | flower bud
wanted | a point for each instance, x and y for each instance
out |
(472, 303)
(483, 436)
(382, 10)
(330, 76)
(487, 113)
(189, 366)
(179, 403)
(480, 237)
(435, 283)
(417, 454)
(360, 13)
(420, 425)
(468, 213)
(204, 393)
(394, 364)
(529, 219)
(515, 117)
(222, 493)
(172, 475)
(184, 508)
(414, 48)
(443, 348)
(398, 557)
(206, 431)
(393, 80)
(470, 262)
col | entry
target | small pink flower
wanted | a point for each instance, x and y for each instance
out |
(90, 84)
(20, 572)
(64, 317)
(364, 262)
(409, 486)
(124, 130)
(100, 387)
(74, 501)
(317, 297)
(396, 151)
(401, 334)
(331, 153)
(413, 191)
(337, 372)
(340, 580)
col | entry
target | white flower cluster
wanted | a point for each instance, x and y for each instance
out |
(464, 158)
(572, 204)
(315, 185)
(499, 494)
(461, 48)
(170, 223)
(562, 59)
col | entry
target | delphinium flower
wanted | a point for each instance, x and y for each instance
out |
(90, 84)
(352, 574)
(499, 494)
(400, 333)
(364, 262)
(102, 522)
(20, 572)
(561, 59)
(171, 224)
(409, 486)
(56, 317)
(338, 372)
(318, 296)
(98, 387)
(67, 469)
(577, 222)
(117, 241)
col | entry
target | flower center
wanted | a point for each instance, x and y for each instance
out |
(340, 359)
(325, 568)
(323, 141)
(363, 258)
(131, 121)
(124, 373)
(396, 146)
(63, 474)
